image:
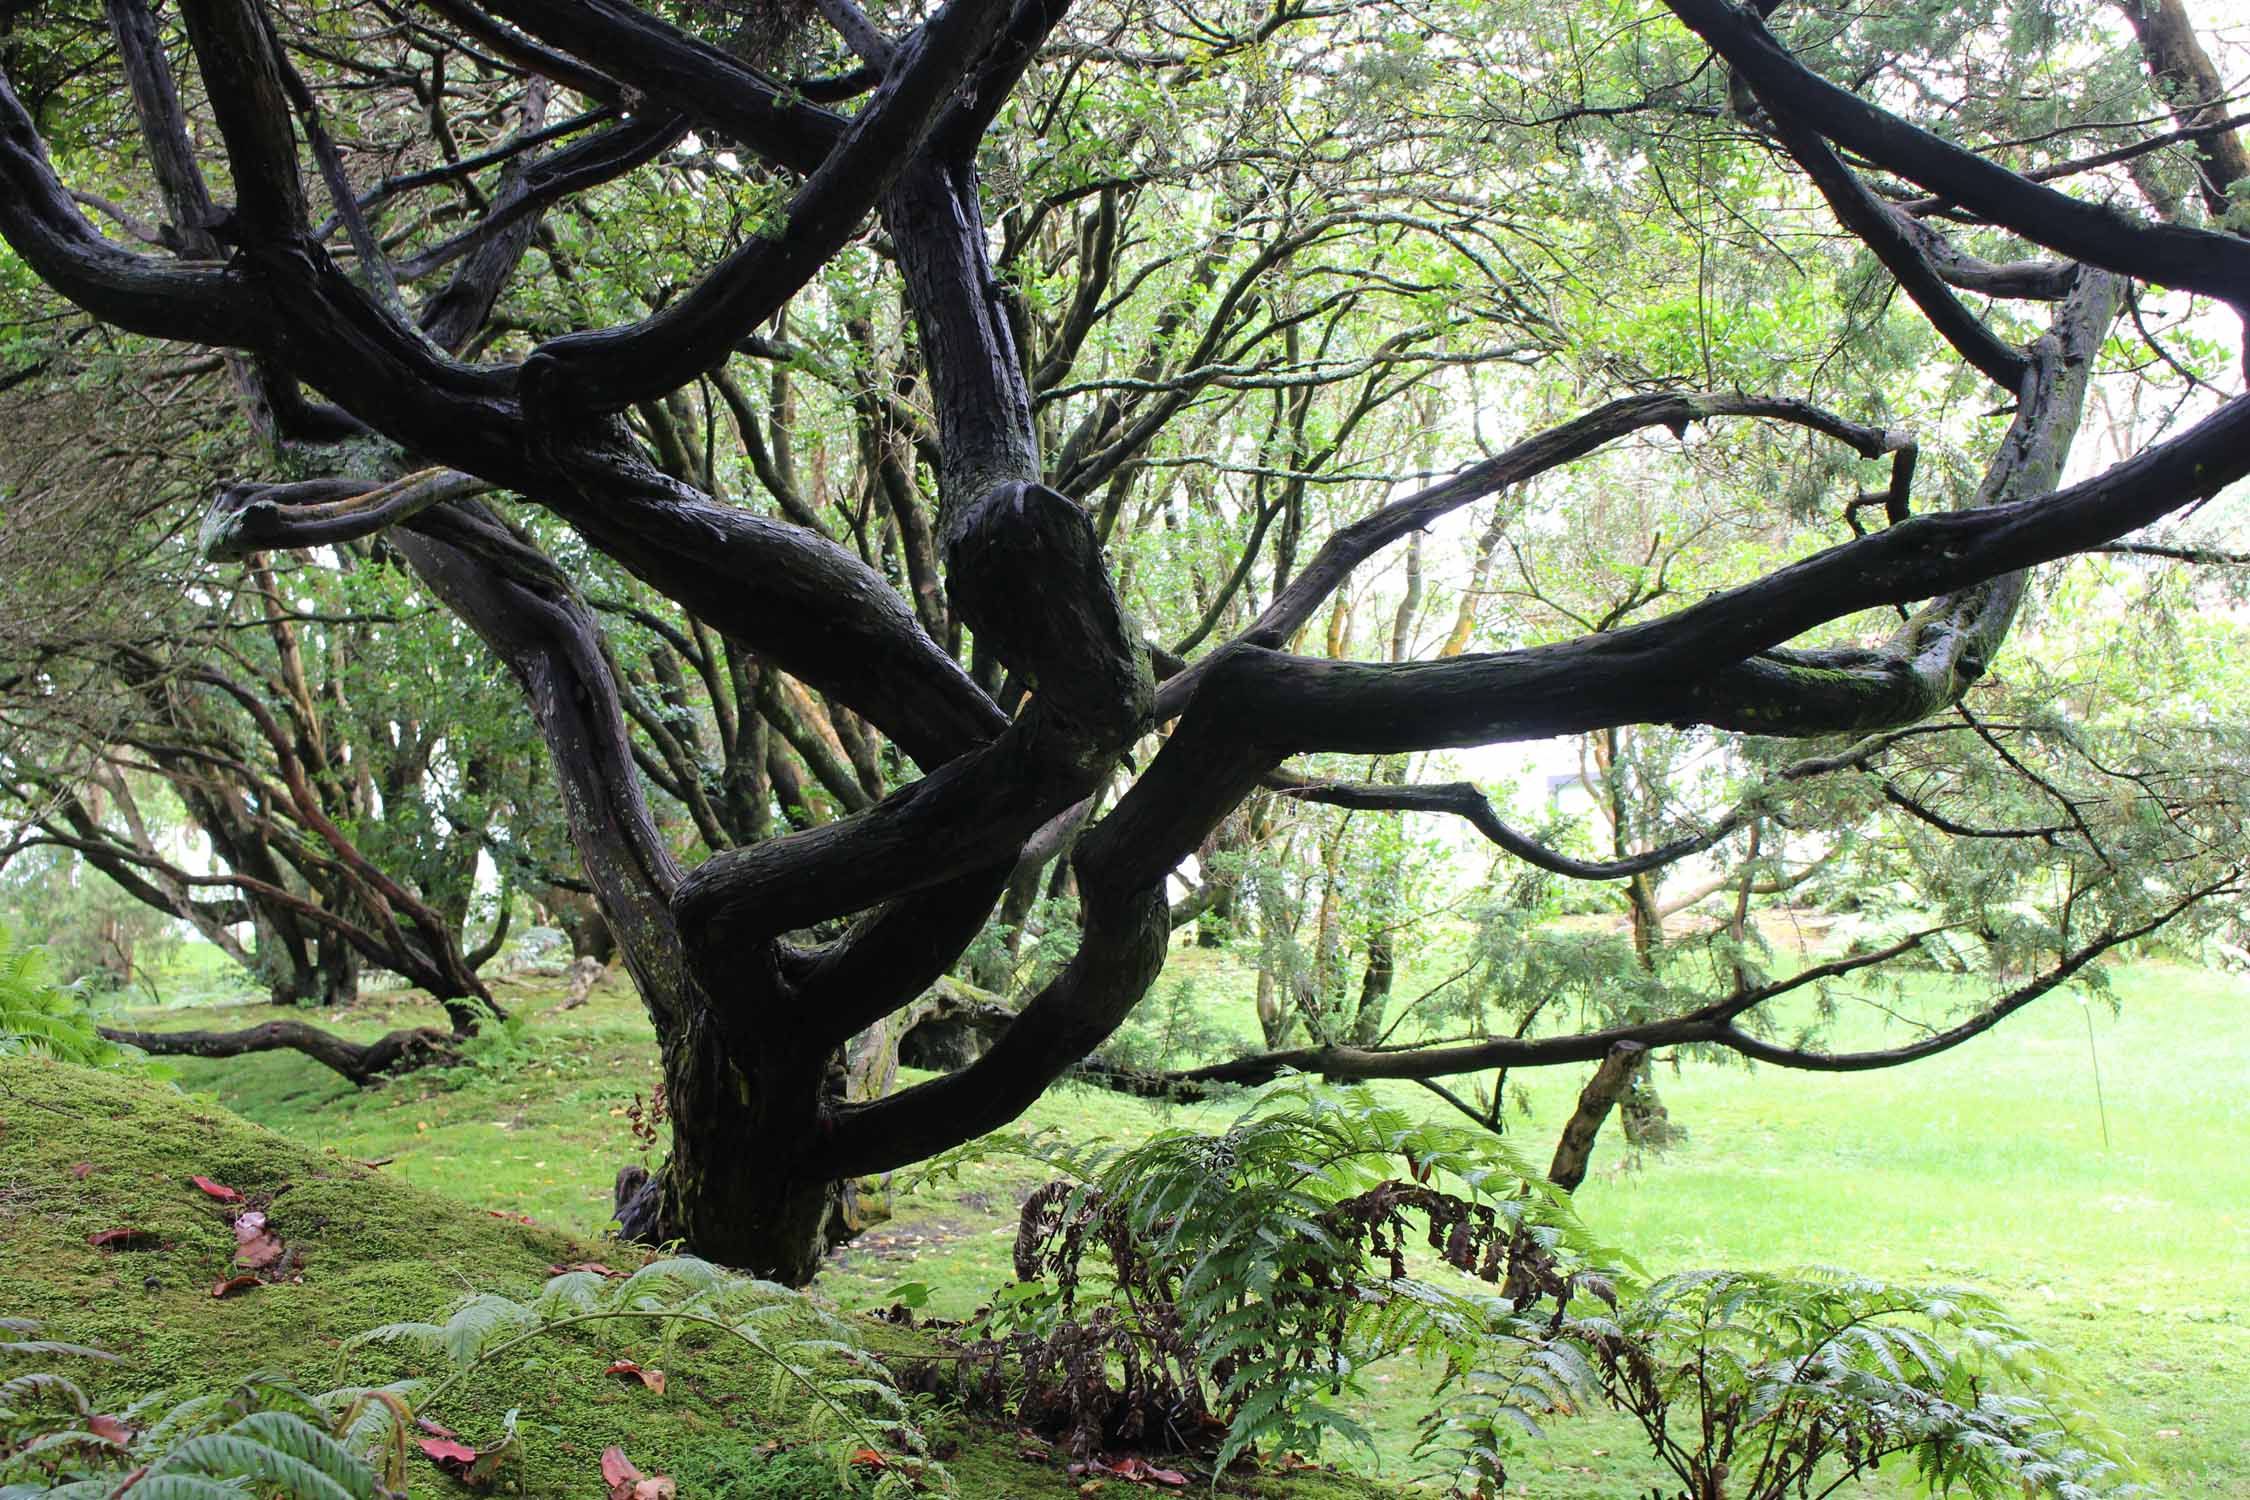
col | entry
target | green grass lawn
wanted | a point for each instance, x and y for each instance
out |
(1988, 1164)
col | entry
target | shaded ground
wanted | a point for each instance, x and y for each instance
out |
(83, 1153)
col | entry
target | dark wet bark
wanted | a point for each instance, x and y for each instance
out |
(1610, 1083)
(364, 1063)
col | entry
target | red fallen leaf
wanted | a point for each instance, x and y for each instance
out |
(110, 1429)
(594, 1266)
(1134, 1471)
(81, 1170)
(454, 1458)
(868, 1458)
(653, 1379)
(218, 1190)
(255, 1246)
(435, 1429)
(511, 1218)
(628, 1483)
(233, 1284)
(124, 1239)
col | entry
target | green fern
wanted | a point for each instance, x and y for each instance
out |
(266, 1433)
(1259, 1272)
(352, 1443)
(1756, 1386)
(808, 1349)
(41, 1018)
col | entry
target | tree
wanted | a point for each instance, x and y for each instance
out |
(220, 746)
(1233, 252)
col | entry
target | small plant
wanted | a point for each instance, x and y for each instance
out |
(353, 1443)
(1759, 1387)
(40, 1017)
(56, 1445)
(1214, 1292)
(502, 1044)
(805, 1347)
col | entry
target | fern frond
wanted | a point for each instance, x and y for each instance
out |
(278, 1449)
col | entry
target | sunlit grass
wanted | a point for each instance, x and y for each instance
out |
(1986, 1164)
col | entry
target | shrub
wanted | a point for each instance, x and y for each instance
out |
(41, 1017)
(1217, 1291)
(1755, 1387)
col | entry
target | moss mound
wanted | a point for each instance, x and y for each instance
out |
(85, 1152)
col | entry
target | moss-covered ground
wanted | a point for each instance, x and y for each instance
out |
(84, 1152)
(2117, 1223)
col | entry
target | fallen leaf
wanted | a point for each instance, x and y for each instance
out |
(110, 1430)
(218, 1190)
(81, 1170)
(628, 1483)
(868, 1458)
(653, 1379)
(594, 1266)
(125, 1239)
(1140, 1471)
(233, 1284)
(435, 1429)
(465, 1463)
(1131, 1470)
(255, 1246)
(618, 1473)
(447, 1454)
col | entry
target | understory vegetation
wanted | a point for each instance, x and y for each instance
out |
(2114, 1255)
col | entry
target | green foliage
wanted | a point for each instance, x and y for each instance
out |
(94, 931)
(41, 1018)
(751, 1471)
(501, 1046)
(1259, 1272)
(1172, 1029)
(264, 1438)
(1253, 1275)
(352, 1443)
(683, 1298)
(1751, 1386)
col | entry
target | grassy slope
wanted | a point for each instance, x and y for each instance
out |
(1987, 1164)
(378, 1250)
